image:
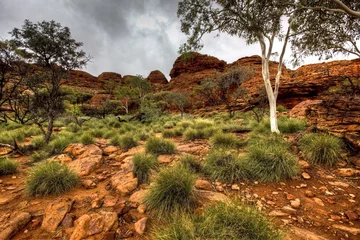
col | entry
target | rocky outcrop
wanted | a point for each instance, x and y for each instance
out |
(10, 225)
(55, 213)
(109, 76)
(157, 78)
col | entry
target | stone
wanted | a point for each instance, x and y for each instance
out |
(318, 201)
(88, 184)
(13, 224)
(335, 217)
(295, 203)
(55, 213)
(68, 221)
(235, 187)
(305, 234)
(219, 188)
(290, 196)
(278, 213)
(138, 196)
(203, 184)
(110, 150)
(94, 224)
(141, 208)
(110, 201)
(289, 209)
(351, 230)
(5, 150)
(347, 172)
(165, 158)
(140, 226)
(212, 196)
(124, 183)
(309, 193)
(305, 175)
(62, 158)
(96, 203)
(5, 199)
(304, 164)
(351, 215)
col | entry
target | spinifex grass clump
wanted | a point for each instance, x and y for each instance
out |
(126, 141)
(225, 141)
(321, 148)
(158, 146)
(86, 139)
(7, 166)
(225, 167)
(143, 164)
(172, 192)
(291, 125)
(220, 221)
(50, 178)
(270, 160)
(233, 221)
(188, 161)
(174, 132)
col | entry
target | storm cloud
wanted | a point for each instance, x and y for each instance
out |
(124, 36)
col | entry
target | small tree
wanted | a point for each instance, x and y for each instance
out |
(179, 100)
(126, 96)
(257, 21)
(140, 85)
(51, 48)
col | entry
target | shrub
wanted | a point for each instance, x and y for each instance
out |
(158, 146)
(73, 127)
(179, 227)
(38, 156)
(143, 164)
(281, 108)
(291, 125)
(235, 128)
(87, 139)
(50, 178)
(110, 134)
(233, 221)
(127, 141)
(98, 132)
(172, 191)
(170, 133)
(38, 142)
(142, 135)
(188, 161)
(7, 166)
(192, 134)
(60, 142)
(225, 167)
(321, 148)
(270, 160)
(225, 140)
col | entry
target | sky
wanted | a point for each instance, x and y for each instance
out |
(129, 37)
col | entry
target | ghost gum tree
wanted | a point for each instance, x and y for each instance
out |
(257, 21)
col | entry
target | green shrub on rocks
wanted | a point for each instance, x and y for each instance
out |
(50, 178)
(159, 146)
(143, 164)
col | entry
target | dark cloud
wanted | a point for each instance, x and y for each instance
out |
(124, 36)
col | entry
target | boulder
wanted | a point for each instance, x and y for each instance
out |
(55, 213)
(13, 224)
(156, 77)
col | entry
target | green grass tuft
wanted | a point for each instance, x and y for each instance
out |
(172, 192)
(188, 161)
(50, 178)
(143, 164)
(7, 166)
(321, 148)
(159, 146)
(86, 139)
(225, 140)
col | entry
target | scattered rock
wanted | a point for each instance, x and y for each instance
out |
(290, 196)
(94, 224)
(165, 158)
(203, 184)
(124, 183)
(347, 172)
(351, 215)
(13, 224)
(141, 208)
(335, 217)
(305, 175)
(68, 220)
(339, 184)
(353, 231)
(235, 187)
(138, 196)
(277, 213)
(212, 196)
(109, 150)
(88, 184)
(96, 203)
(295, 203)
(309, 193)
(140, 226)
(305, 234)
(289, 210)
(318, 201)
(55, 213)
(304, 164)
(110, 201)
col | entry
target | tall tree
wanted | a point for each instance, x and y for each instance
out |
(326, 28)
(51, 48)
(257, 21)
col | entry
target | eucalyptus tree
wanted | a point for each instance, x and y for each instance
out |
(326, 28)
(53, 51)
(256, 21)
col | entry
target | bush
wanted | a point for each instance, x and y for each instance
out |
(172, 191)
(7, 166)
(226, 167)
(233, 221)
(39, 156)
(127, 141)
(50, 178)
(60, 142)
(291, 125)
(38, 142)
(281, 108)
(142, 135)
(98, 133)
(170, 133)
(200, 133)
(188, 161)
(321, 148)
(73, 127)
(87, 139)
(270, 160)
(143, 164)
(158, 146)
(225, 140)
(177, 228)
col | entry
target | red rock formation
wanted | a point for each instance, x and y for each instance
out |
(79, 78)
(157, 77)
(108, 76)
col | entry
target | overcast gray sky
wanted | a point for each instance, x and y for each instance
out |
(124, 36)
